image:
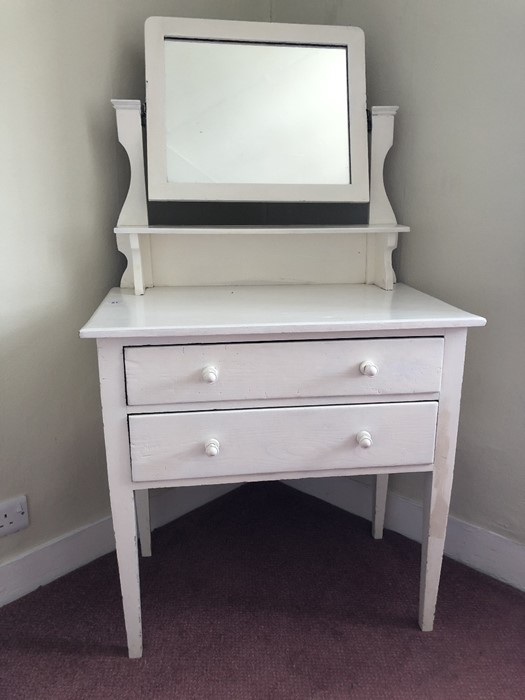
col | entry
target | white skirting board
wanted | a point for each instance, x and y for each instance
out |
(483, 550)
(53, 559)
(486, 551)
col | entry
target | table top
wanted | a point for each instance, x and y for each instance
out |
(194, 311)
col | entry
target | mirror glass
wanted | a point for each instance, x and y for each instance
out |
(248, 112)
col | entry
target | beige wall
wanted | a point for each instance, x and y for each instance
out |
(455, 177)
(61, 61)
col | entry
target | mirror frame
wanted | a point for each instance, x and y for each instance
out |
(158, 29)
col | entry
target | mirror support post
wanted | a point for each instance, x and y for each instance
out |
(134, 211)
(381, 245)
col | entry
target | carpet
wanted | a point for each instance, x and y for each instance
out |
(267, 593)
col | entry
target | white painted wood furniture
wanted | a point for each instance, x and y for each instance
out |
(228, 384)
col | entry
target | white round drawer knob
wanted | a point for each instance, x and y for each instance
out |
(364, 439)
(210, 374)
(212, 447)
(368, 368)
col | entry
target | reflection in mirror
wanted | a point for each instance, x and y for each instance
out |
(239, 112)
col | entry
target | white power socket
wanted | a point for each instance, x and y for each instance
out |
(13, 515)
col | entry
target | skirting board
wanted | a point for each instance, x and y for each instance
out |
(486, 551)
(483, 550)
(53, 559)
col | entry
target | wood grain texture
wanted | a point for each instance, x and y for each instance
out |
(120, 488)
(439, 483)
(381, 246)
(173, 445)
(173, 374)
(263, 310)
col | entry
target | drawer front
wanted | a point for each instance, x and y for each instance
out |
(257, 441)
(250, 371)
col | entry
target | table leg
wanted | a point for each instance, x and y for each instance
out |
(121, 494)
(125, 527)
(380, 494)
(435, 517)
(439, 482)
(143, 521)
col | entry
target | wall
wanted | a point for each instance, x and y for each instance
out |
(456, 176)
(61, 62)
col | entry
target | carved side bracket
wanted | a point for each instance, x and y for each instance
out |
(379, 268)
(134, 211)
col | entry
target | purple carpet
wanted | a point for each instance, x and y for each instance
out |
(266, 594)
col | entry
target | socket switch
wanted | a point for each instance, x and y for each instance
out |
(13, 515)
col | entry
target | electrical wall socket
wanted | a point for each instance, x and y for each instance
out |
(13, 515)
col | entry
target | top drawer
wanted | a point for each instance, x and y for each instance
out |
(168, 374)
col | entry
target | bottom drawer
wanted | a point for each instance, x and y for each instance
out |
(272, 440)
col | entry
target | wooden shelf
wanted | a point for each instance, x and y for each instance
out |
(250, 230)
(141, 243)
(255, 309)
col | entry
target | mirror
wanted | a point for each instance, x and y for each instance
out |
(256, 107)
(253, 111)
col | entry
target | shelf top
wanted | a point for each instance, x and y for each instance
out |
(272, 309)
(247, 230)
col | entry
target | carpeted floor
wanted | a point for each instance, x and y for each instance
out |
(270, 594)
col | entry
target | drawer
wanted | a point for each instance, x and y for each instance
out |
(257, 441)
(249, 371)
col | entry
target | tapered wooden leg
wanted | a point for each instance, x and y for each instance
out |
(380, 493)
(439, 482)
(121, 494)
(143, 521)
(125, 527)
(435, 517)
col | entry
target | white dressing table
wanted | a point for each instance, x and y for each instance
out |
(228, 384)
